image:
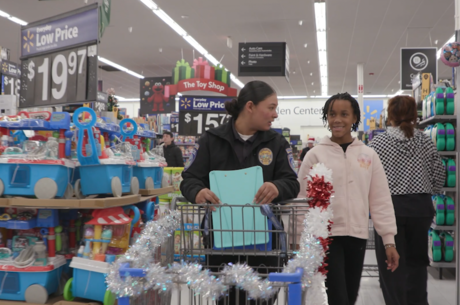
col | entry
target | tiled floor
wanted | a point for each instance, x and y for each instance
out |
(440, 292)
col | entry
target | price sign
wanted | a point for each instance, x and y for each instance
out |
(10, 78)
(59, 60)
(198, 114)
(174, 122)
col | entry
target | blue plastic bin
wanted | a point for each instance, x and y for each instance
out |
(16, 283)
(142, 173)
(19, 179)
(89, 279)
(97, 179)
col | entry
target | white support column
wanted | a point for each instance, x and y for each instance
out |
(360, 72)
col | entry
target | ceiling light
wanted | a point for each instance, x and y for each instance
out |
(179, 30)
(320, 20)
(150, 4)
(121, 68)
(17, 20)
(122, 99)
(311, 74)
(3, 14)
(300, 22)
(436, 41)
(451, 39)
(305, 45)
(312, 83)
(184, 17)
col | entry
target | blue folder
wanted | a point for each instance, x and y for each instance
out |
(239, 187)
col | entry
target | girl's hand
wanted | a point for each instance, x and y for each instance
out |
(392, 258)
(266, 194)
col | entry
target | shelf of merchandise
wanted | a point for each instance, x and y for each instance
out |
(437, 119)
(448, 153)
(442, 228)
(451, 191)
(185, 144)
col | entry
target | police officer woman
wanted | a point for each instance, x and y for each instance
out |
(245, 141)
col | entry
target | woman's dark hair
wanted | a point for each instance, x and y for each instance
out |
(255, 91)
(402, 111)
(346, 97)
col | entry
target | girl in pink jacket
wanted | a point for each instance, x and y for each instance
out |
(360, 187)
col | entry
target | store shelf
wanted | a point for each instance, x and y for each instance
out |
(444, 228)
(156, 192)
(53, 301)
(185, 144)
(442, 264)
(437, 119)
(448, 153)
(449, 189)
(88, 203)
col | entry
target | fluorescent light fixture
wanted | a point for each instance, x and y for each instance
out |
(375, 96)
(17, 20)
(169, 21)
(121, 68)
(3, 14)
(150, 4)
(451, 39)
(183, 33)
(321, 39)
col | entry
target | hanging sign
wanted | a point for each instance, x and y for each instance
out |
(200, 77)
(174, 119)
(263, 59)
(10, 78)
(200, 113)
(415, 61)
(59, 59)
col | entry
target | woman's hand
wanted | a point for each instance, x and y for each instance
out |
(206, 196)
(267, 193)
(392, 258)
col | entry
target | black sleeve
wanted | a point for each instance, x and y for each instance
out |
(179, 157)
(196, 175)
(285, 178)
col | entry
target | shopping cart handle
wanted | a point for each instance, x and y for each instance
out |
(295, 277)
(126, 271)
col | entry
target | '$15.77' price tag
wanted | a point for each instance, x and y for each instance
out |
(195, 122)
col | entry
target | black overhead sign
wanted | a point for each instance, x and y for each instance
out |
(263, 59)
(415, 61)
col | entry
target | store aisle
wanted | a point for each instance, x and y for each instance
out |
(440, 292)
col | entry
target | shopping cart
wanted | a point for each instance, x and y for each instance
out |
(265, 249)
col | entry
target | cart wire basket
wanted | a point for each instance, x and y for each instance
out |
(231, 234)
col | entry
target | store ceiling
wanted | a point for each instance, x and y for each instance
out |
(367, 31)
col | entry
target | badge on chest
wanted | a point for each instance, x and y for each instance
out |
(265, 156)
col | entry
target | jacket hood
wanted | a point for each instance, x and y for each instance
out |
(399, 140)
(327, 141)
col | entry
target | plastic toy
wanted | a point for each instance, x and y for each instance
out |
(436, 246)
(100, 176)
(450, 211)
(451, 169)
(450, 136)
(439, 136)
(439, 101)
(447, 246)
(450, 101)
(88, 281)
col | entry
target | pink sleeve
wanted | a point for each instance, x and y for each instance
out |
(380, 203)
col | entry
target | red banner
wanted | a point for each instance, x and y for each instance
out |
(200, 84)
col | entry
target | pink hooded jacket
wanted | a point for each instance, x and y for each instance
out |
(360, 185)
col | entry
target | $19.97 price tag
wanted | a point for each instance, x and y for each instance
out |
(195, 123)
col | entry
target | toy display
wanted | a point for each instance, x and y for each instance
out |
(439, 102)
(442, 135)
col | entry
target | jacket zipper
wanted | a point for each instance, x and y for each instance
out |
(346, 191)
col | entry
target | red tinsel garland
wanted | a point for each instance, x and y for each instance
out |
(320, 193)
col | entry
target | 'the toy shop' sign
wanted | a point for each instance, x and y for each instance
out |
(200, 84)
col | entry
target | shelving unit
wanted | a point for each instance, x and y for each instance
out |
(451, 191)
